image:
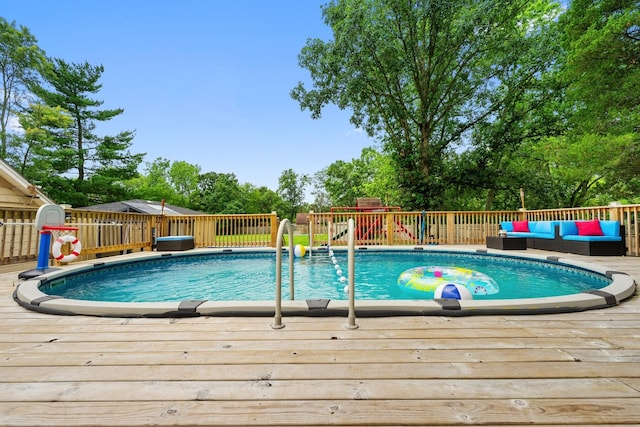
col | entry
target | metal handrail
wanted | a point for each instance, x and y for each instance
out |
(351, 318)
(277, 322)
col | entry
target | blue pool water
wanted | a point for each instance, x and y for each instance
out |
(251, 277)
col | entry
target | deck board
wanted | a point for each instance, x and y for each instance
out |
(574, 369)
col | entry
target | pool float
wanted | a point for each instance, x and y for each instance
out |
(428, 279)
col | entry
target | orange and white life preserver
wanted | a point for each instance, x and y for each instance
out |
(76, 247)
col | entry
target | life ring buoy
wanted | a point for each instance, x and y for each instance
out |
(76, 248)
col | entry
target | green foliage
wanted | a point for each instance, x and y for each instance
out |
(584, 165)
(174, 182)
(419, 75)
(34, 152)
(342, 183)
(20, 59)
(602, 40)
(97, 166)
(291, 187)
(381, 176)
(184, 179)
(371, 175)
(262, 200)
(321, 198)
(180, 183)
(219, 193)
(154, 183)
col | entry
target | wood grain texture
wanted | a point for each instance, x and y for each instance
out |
(575, 369)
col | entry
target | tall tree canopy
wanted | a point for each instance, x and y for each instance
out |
(20, 59)
(602, 40)
(420, 75)
(602, 71)
(96, 164)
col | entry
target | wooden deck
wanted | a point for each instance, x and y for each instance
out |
(579, 369)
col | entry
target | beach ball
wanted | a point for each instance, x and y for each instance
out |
(299, 251)
(452, 291)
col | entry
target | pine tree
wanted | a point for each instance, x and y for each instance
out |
(96, 164)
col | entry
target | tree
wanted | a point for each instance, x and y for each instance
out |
(381, 177)
(420, 75)
(154, 184)
(184, 179)
(99, 164)
(20, 59)
(35, 154)
(602, 72)
(602, 40)
(174, 182)
(262, 200)
(291, 188)
(581, 167)
(342, 183)
(321, 199)
(370, 175)
(219, 193)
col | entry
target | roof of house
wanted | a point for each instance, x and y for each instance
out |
(16, 191)
(142, 206)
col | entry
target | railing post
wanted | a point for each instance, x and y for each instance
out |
(390, 228)
(451, 228)
(614, 211)
(274, 229)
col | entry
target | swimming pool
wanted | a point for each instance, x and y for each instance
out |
(247, 276)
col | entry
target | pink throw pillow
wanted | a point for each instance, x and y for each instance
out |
(522, 226)
(589, 228)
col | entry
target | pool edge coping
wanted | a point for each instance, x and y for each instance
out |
(28, 295)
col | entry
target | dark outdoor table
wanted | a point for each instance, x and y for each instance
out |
(506, 243)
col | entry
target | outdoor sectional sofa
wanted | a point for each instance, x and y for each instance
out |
(596, 237)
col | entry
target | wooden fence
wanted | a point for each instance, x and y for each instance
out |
(454, 227)
(109, 233)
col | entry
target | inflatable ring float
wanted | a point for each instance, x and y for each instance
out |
(76, 247)
(428, 279)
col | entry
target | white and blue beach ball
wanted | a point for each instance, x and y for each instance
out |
(452, 291)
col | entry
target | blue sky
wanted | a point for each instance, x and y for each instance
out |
(204, 81)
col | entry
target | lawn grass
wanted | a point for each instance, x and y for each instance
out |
(301, 239)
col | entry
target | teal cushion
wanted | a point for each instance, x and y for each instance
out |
(543, 227)
(506, 225)
(568, 228)
(543, 235)
(592, 238)
(519, 234)
(610, 228)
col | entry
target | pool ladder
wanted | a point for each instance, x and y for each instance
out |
(351, 317)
